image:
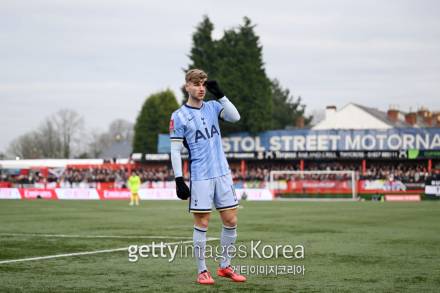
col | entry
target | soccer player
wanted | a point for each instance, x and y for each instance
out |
(134, 182)
(195, 125)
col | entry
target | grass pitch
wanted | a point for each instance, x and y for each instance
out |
(349, 246)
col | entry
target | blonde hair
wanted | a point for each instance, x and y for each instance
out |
(195, 75)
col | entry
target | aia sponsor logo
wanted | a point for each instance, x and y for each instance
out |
(207, 135)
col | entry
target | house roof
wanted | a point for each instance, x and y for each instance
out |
(355, 116)
(382, 116)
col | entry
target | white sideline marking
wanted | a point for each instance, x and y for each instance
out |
(88, 252)
(94, 236)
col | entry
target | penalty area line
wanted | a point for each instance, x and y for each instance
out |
(88, 252)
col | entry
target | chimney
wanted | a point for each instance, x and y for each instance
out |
(428, 120)
(393, 115)
(423, 112)
(426, 116)
(299, 122)
(436, 119)
(411, 118)
(330, 111)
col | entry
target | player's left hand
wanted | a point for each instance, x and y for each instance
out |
(214, 88)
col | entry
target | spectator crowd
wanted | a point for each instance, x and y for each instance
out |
(253, 172)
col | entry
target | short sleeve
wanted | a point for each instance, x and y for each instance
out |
(177, 127)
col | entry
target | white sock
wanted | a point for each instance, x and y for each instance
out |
(199, 239)
(227, 241)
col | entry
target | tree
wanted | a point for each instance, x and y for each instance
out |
(236, 61)
(48, 140)
(121, 129)
(61, 135)
(285, 108)
(43, 142)
(58, 136)
(25, 147)
(98, 142)
(69, 125)
(118, 130)
(203, 52)
(152, 120)
(243, 72)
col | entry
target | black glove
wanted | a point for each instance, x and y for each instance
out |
(182, 189)
(213, 87)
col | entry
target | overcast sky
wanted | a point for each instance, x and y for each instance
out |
(102, 58)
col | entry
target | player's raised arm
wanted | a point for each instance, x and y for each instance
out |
(229, 112)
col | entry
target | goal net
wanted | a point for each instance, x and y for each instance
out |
(314, 184)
